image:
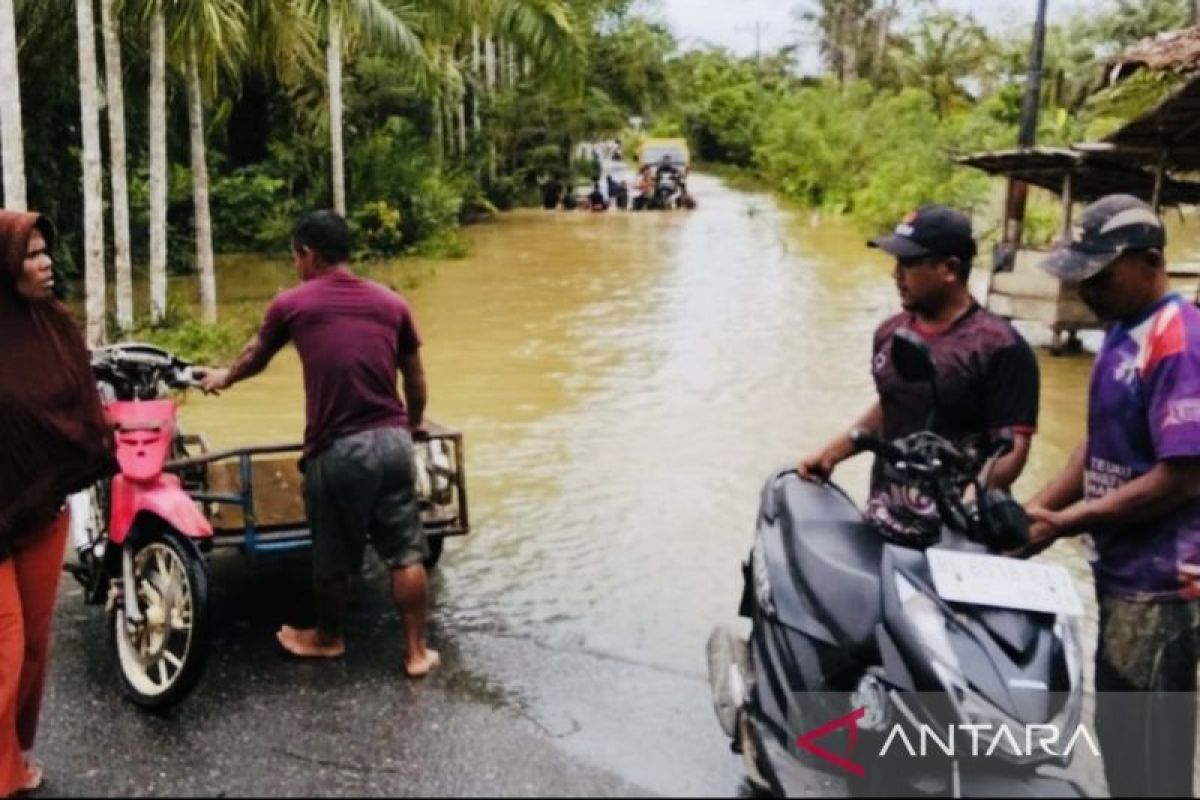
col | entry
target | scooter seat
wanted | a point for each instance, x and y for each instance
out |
(838, 556)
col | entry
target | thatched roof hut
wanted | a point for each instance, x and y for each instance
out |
(1173, 51)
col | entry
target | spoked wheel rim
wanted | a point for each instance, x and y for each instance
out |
(153, 652)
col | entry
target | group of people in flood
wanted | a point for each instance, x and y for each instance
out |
(1131, 487)
(657, 187)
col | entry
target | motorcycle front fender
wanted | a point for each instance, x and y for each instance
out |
(162, 497)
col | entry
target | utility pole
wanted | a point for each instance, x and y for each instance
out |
(758, 27)
(1017, 191)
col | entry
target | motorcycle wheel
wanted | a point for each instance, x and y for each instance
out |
(161, 659)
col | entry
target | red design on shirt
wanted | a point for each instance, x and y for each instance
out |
(1167, 338)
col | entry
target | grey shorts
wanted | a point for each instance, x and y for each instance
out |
(361, 487)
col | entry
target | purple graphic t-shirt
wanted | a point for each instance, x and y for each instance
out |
(1144, 407)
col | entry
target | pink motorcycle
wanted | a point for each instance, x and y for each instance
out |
(142, 539)
(138, 536)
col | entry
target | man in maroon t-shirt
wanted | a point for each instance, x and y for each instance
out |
(987, 375)
(359, 477)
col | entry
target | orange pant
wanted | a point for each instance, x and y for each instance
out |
(28, 586)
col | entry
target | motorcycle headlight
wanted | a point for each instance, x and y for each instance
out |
(1002, 736)
(1067, 630)
(762, 581)
(930, 625)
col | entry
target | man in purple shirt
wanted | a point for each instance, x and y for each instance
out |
(1134, 486)
(359, 477)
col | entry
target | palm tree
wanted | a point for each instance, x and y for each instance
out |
(475, 77)
(544, 31)
(11, 138)
(93, 174)
(158, 161)
(117, 170)
(374, 19)
(205, 264)
(946, 49)
(210, 35)
(846, 28)
(282, 40)
(337, 147)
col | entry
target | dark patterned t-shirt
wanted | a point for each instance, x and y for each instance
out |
(987, 381)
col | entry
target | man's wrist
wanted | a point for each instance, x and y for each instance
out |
(1077, 518)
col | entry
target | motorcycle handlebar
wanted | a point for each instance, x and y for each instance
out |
(184, 378)
(864, 440)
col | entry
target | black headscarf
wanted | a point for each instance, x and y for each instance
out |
(54, 436)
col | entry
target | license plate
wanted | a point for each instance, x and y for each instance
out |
(1003, 582)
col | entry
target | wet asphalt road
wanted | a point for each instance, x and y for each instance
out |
(505, 715)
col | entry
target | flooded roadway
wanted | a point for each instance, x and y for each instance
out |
(625, 383)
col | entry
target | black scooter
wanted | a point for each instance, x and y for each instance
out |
(856, 667)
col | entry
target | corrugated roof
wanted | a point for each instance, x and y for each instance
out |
(1093, 175)
(1171, 129)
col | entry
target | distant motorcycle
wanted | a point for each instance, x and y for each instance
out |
(666, 191)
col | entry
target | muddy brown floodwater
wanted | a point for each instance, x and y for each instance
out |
(626, 382)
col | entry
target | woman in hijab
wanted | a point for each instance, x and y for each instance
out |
(54, 441)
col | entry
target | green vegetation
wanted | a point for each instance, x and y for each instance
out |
(447, 110)
(416, 117)
(904, 92)
(185, 335)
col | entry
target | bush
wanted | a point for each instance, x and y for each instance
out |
(393, 165)
(378, 229)
(502, 193)
(250, 209)
(873, 155)
(186, 336)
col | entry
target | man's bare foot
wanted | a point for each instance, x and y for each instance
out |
(420, 667)
(303, 642)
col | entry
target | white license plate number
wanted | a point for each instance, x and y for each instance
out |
(1002, 582)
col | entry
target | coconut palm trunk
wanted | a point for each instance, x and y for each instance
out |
(117, 169)
(11, 138)
(439, 138)
(203, 218)
(489, 68)
(475, 73)
(489, 63)
(333, 63)
(158, 165)
(461, 110)
(93, 174)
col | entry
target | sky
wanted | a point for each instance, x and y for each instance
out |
(732, 23)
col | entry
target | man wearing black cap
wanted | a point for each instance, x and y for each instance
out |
(1134, 486)
(987, 374)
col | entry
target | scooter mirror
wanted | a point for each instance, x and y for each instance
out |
(911, 357)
